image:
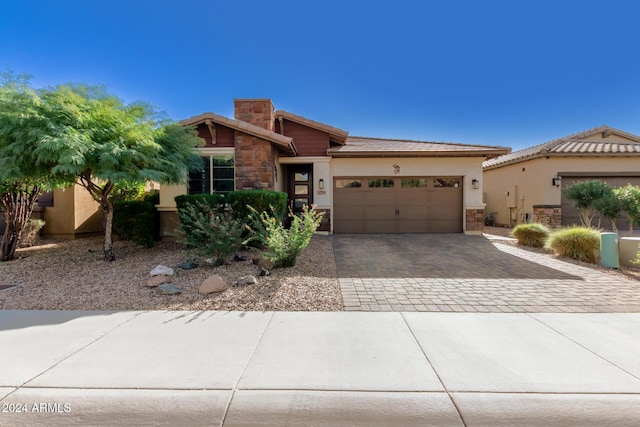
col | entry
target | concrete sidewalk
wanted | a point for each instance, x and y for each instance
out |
(318, 368)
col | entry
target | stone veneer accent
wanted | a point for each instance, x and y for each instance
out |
(255, 157)
(549, 215)
(474, 220)
(258, 112)
(255, 163)
(325, 225)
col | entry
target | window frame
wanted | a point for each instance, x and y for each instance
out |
(211, 153)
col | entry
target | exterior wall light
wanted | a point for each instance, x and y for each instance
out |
(475, 183)
(321, 184)
(556, 181)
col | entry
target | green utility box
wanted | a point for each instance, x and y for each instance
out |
(609, 253)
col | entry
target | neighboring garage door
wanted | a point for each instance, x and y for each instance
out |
(570, 214)
(397, 205)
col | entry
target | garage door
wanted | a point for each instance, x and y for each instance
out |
(570, 214)
(397, 205)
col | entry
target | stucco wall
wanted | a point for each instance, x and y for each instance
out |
(74, 212)
(533, 181)
(469, 168)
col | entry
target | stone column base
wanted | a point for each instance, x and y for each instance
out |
(474, 221)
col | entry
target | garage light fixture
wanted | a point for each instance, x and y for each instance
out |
(556, 180)
(321, 184)
(475, 183)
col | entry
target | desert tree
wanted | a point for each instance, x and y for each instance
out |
(24, 124)
(585, 195)
(629, 198)
(609, 206)
(104, 142)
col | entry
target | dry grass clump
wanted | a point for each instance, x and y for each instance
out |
(581, 243)
(534, 235)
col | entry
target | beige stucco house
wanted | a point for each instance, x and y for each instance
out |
(526, 185)
(364, 185)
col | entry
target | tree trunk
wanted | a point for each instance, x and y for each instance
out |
(107, 223)
(17, 207)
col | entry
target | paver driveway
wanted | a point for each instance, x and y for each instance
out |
(455, 272)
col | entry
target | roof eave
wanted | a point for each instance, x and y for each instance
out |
(337, 135)
(283, 143)
(552, 154)
(423, 154)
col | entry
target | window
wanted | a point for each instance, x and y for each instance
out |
(216, 175)
(414, 183)
(381, 183)
(446, 182)
(348, 183)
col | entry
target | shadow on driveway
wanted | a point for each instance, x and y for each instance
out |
(432, 256)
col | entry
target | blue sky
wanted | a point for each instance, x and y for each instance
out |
(512, 73)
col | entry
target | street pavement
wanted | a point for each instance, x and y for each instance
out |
(319, 368)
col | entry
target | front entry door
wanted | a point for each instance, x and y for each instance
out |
(300, 187)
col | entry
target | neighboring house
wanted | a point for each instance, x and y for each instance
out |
(364, 185)
(526, 185)
(70, 213)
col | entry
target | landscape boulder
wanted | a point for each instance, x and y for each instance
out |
(263, 263)
(169, 289)
(213, 284)
(248, 280)
(161, 270)
(155, 281)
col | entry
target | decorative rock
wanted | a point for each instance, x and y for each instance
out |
(213, 284)
(187, 265)
(169, 289)
(264, 271)
(265, 263)
(248, 280)
(161, 270)
(240, 257)
(155, 281)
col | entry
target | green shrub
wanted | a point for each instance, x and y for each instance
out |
(212, 200)
(31, 232)
(153, 197)
(127, 190)
(209, 202)
(282, 245)
(137, 220)
(210, 230)
(581, 243)
(272, 202)
(531, 234)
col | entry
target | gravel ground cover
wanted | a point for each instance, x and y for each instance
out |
(71, 275)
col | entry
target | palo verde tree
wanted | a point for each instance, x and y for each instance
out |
(24, 125)
(103, 141)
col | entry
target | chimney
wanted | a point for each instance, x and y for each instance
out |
(258, 112)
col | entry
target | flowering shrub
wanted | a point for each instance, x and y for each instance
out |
(282, 245)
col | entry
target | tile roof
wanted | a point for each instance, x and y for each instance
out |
(577, 144)
(338, 135)
(285, 143)
(358, 146)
